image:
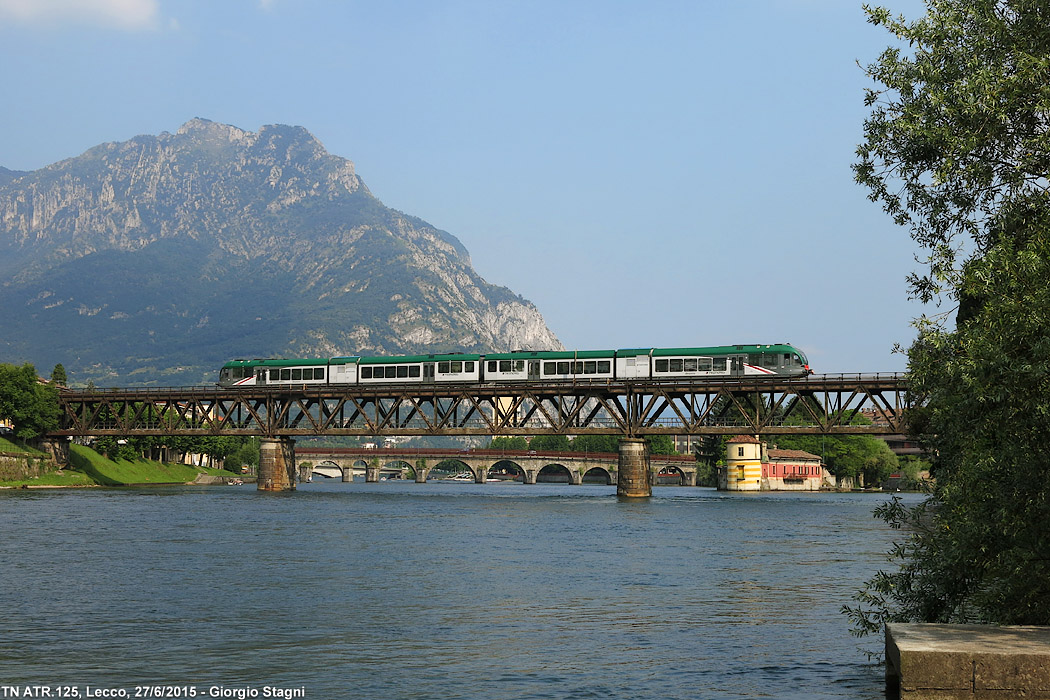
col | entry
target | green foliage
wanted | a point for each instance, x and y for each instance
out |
(913, 471)
(550, 443)
(958, 149)
(661, 445)
(847, 456)
(30, 405)
(596, 443)
(247, 452)
(515, 442)
(956, 144)
(58, 375)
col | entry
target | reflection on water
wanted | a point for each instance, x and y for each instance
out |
(404, 590)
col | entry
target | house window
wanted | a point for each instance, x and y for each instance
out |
(740, 452)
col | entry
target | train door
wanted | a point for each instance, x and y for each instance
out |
(428, 372)
(736, 365)
(534, 370)
(260, 376)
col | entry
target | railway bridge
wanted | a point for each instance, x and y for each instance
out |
(342, 461)
(631, 409)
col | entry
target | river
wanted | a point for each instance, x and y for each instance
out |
(439, 590)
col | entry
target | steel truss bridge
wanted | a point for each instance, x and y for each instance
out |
(818, 404)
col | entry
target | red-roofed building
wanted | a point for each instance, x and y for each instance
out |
(751, 466)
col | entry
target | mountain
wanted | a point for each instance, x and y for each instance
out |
(155, 260)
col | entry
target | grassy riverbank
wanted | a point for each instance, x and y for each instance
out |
(123, 472)
(89, 468)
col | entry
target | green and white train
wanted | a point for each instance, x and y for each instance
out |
(727, 361)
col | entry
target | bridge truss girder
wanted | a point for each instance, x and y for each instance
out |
(815, 405)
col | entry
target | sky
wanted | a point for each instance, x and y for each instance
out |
(654, 173)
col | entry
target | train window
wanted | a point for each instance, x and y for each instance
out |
(286, 375)
(519, 365)
(504, 365)
(275, 375)
(719, 364)
(661, 365)
(457, 367)
(413, 371)
(577, 368)
(590, 367)
(366, 373)
(443, 368)
(550, 368)
(468, 366)
(319, 373)
(297, 375)
(402, 371)
(604, 366)
(676, 365)
(754, 359)
(690, 365)
(390, 372)
(492, 365)
(563, 368)
(703, 364)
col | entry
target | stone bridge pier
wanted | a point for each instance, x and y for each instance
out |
(633, 478)
(276, 465)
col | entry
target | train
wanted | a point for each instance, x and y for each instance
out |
(726, 361)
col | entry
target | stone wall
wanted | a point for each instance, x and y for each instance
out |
(19, 466)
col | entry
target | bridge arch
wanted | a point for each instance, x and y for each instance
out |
(397, 465)
(670, 475)
(596, 475)
(503, 468)
(328, 469)
(453, 466)
(555, 473)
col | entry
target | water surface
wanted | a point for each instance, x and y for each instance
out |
(440, 590)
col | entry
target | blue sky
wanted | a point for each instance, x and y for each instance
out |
(647, 173)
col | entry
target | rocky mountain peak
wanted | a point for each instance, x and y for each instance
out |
(182, 250)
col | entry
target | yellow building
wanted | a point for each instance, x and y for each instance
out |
(743, 470)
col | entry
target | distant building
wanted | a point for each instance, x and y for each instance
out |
(751, 466)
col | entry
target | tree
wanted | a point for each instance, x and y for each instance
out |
(958, 149)
(550, 443)
(596, 443)
(848, 456)
(515, 442)
(956, 145)
(661, 445)
(58, 375)
(29, 404)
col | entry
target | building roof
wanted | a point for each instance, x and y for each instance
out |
(744, 438)
(791, 454)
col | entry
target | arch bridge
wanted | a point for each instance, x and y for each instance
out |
(576, 465)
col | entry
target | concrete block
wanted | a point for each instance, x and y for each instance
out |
(935, 662)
